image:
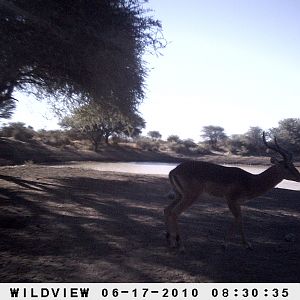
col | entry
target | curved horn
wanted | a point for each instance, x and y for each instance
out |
(287, 156)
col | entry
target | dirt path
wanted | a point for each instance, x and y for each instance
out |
(73, 225)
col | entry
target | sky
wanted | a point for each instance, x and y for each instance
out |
(228, 63)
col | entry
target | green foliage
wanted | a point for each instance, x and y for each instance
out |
(133, 124)
(155, 135)
(189, 143)
(288, 134)
(236, 144)
(7, 107)
(214, 136)
(147, 144)
(187, 147)
(56, 138)
(173, 138)
(83, 50)
(253, 141)
(100, 123)
(18, 131)
(249, 143)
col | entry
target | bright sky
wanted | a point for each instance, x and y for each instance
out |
(229, 63)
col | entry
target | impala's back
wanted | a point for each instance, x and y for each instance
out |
(195, 177)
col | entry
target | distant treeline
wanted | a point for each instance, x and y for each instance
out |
(214, 138)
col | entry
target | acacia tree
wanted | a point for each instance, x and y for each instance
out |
(133, 124)
(154, 134)
(76, 50)
(173, 138)
(100, 123)
(213, 135)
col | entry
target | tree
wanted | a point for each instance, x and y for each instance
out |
(76, 51)
(18, 130)
(236, 144)
(173, 138)
(189, 143)
(288, 132)
(100, 123)
(6, 108)
(253, 141)
(133, 125)
(213, 135)
(155, 135)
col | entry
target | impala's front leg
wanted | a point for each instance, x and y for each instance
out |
(172, 235)
(175, 239)
(235, 209)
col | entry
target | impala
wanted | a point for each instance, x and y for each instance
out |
(191, 179)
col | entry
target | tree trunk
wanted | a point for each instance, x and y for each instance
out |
(96, 141)
(96, 145)
(106, 139)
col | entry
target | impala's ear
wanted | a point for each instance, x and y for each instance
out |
(274, 160)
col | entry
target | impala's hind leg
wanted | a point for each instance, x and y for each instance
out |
(176, 194)
(181, 206)
(167, 212)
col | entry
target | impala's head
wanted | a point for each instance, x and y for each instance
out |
(285, 164)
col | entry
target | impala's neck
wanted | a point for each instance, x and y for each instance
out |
(267, 180)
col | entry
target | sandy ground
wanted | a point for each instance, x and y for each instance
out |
(75, 225)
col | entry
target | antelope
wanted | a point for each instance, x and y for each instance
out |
(191, 179)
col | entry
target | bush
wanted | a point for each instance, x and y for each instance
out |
(155, 135)
(56, 138)
(18, 131)
(115, 139)
(245, 144)
(188, 147)
(178, 148)
(236, 144)
(189, 143)
(147, 144)
(173, 138)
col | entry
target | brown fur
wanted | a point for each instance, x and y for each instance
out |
(190, 179)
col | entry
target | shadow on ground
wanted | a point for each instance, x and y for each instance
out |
(68, 225)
